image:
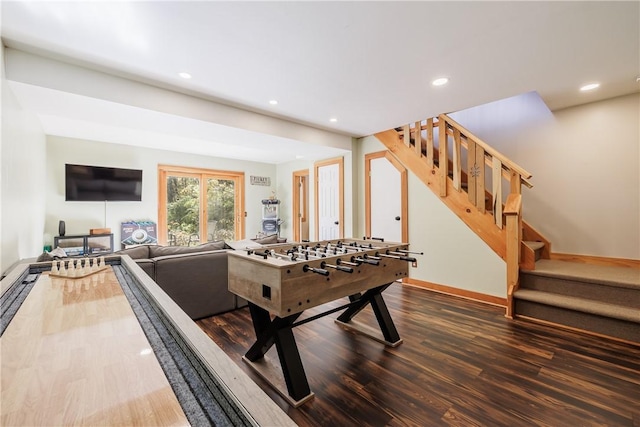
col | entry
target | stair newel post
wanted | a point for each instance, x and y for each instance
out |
(516, 188)
(513, 214)
(443, 166)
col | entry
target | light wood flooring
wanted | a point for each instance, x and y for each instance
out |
(462, 363)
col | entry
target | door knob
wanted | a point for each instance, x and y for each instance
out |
(397, 218)
(337, 222)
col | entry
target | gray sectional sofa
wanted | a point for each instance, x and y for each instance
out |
(195, 277)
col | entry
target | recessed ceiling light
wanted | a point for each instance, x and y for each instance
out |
(273, 102)
(590, 86)
(299, 156)
(333, 120)
(441, 81)
(185, 75)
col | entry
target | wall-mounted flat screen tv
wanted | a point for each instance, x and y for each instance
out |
(96, 183)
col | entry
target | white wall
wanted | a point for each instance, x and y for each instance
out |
(453, 255)
(285, 193)
(22, 180)
(81, 216)
(585, 163)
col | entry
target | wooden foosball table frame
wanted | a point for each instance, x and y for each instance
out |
(285, 280)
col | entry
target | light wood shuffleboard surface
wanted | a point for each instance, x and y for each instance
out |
(75, 354)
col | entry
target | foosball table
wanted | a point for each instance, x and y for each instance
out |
(284, 280)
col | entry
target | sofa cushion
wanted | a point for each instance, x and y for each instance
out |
(197, 282)
(136, 252)
(148, 266)
(157, 251)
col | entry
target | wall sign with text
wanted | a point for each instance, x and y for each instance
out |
(261, 180)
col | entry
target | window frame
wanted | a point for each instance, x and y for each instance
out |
(165, 171)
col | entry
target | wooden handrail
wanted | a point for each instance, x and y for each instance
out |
(513, 205)
(487, 148)
(506, 173)
(464, 134)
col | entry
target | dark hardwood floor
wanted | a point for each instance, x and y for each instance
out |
(461, 363)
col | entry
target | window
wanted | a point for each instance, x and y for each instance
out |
(199, 205)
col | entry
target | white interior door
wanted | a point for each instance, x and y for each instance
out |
(386, 200)
(328, 201)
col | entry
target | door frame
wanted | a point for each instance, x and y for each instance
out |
(404, 205)
(317, 165)
(304, 209)
(185, 171)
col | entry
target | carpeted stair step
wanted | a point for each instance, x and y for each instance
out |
(594, 323)
(604, 300)
(613, 285)
(616, 311)
(587, 315)
(536, 247)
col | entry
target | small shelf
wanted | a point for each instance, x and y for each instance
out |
(85, 244)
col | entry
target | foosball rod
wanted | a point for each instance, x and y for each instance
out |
(365, 260)
(337, 267)
(402, 252)
(308, 252)
(373, 238)
(283, 256)
(339, 262)
(320, 271)
(400, 257)
(264, 254)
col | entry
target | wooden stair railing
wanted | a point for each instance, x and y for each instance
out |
(464, 186)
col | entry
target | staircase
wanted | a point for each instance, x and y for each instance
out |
(470, 177)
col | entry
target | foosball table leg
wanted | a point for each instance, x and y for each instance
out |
(373, 296)
(292, 369)
(385, 321)
(279, 332)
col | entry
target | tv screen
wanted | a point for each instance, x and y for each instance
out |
(95, 183)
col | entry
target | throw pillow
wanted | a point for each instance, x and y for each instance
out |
(267, 240)
(45, 256)
(157, 251)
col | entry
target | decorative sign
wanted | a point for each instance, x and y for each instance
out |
(261, 180)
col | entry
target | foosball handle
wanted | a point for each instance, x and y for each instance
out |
(403, 257)
(365, 260)
(320, 271)
(338, 267)
(344, 269)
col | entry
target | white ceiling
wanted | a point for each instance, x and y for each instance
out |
(368, 64)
